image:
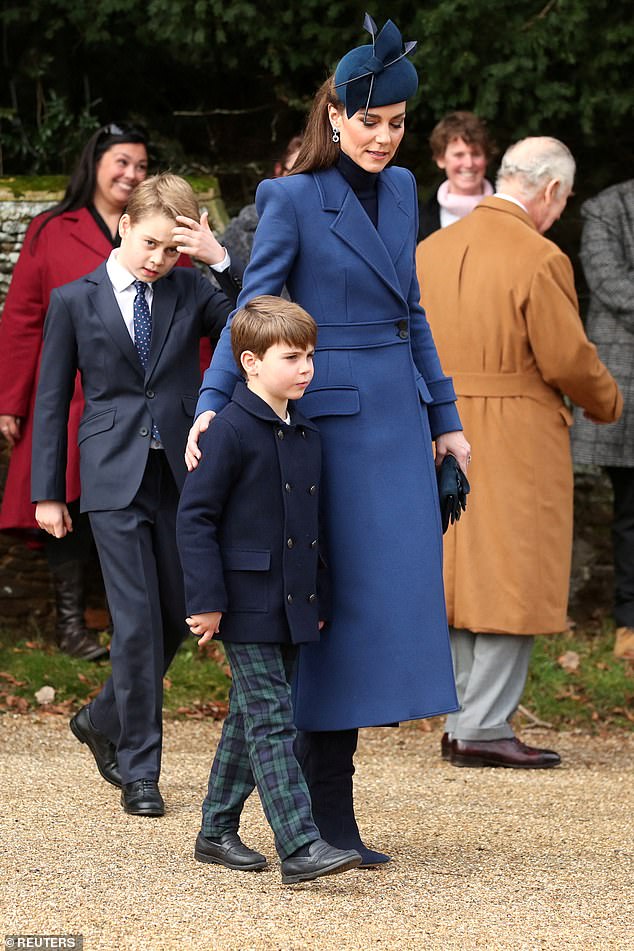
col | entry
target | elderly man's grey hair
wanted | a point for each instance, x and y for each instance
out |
(533, 162)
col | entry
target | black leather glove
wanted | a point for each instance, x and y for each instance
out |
(453, 488)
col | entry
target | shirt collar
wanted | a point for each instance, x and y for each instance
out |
(120, 278)
(515, 201)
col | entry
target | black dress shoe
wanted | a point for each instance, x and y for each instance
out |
(511, 753)
(445, 745)
(322, 859)
(142, 798)
(229, 851)
(103, 749)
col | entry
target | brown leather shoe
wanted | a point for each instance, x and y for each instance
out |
(624, 643)
(445, 746)
(511, 753)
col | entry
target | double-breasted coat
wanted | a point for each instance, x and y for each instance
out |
(379, 397)
(607, 256)
(248, 524)
(501, 301)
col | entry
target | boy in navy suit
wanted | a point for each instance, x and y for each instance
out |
(132, 328)
(248, 538)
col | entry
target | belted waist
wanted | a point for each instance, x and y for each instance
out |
(374, 333)
(503, 384)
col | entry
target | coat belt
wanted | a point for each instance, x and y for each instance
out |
(374, 333)
(504, 384)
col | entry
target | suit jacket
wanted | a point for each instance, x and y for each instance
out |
(379, 396)
(85, 331)
(607, 255)
(70, 245)
(501, 301)
(248, 528)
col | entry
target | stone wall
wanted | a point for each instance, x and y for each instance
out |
(25, 594)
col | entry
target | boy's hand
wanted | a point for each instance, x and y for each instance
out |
(53, 517)
(321, 625)
(192, 452)
(197, 239)
(204, 626)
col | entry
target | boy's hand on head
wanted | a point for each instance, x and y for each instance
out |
(197, 239)
(53, 517)
(193, 454)
(204, 626)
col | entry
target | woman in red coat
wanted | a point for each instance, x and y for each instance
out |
(60, 246)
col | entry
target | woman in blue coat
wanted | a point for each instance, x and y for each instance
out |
(340, 234)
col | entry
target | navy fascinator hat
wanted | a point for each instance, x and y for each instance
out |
(376, 75)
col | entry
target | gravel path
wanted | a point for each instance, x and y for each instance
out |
(494, 859)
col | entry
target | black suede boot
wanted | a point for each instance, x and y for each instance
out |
(326, 759)
(71, 635)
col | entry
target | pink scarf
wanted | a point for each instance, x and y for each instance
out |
(461, 205)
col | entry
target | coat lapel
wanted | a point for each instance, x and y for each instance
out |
(105, 303)
(84, 230)
(378, 248)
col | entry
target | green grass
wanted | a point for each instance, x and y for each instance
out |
(598, 695)
(196, 684)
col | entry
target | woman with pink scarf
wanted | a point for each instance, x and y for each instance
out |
(461, 147)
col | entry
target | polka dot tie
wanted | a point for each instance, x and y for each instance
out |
(143, 331)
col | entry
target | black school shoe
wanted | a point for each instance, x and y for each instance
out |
(142, 798)
(104, 751)
(229, 851)
(322, 859)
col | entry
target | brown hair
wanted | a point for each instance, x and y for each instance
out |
(318, 150)
(461, 125)
(163, 194)
(268, 320)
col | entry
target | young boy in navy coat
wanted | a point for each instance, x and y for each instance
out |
(247, 530)
(132, 328)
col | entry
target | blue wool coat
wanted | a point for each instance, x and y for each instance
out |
(248, 525)
(379, 397)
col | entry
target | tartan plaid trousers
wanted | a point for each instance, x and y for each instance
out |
(256, 749)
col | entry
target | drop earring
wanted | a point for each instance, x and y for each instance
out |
(335, 134)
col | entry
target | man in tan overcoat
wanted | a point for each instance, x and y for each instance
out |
(501, 302)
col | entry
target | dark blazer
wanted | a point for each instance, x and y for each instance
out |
(84, 330)
(428, 216)
(248, 524)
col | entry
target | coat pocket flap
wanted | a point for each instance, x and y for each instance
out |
(242, 559)
(98, 423)
(423, 391)
(330, 401)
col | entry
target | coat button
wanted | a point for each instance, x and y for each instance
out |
(311, 598)
(280, 434)
(314, 543)
(312, 490)
(288, 487)
(290, 543)
(289, 598)
(402, 329)
(144, 431)
(302, 433)
(149, 394)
